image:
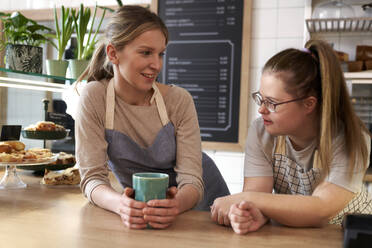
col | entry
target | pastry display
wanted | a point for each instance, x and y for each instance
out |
(45, 126)
(64, 161)
(70, 176)
(13, 152)
(45, 130)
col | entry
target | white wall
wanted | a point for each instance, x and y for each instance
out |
(276, 25)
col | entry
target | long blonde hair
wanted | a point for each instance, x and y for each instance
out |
(126, 24)
(316, 71)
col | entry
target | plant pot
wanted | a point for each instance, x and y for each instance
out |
(24, 58)
(56, 68)
(77, 67)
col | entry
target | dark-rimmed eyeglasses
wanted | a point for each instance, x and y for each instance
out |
(271, 106)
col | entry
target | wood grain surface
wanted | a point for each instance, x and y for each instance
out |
(59, 216)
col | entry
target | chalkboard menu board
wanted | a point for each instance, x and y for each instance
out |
(204, 56)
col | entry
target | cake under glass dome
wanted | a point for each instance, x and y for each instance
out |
(333, 9)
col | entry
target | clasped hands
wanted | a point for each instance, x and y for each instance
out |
(242, 216)
(158, 214)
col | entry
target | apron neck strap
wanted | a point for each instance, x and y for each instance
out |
(280, 145)
(110, 105)
(160, 105)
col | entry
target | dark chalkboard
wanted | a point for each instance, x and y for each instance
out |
(204, 56)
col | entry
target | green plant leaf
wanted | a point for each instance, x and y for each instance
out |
(18, 29)
(18, 20)
(37, 27)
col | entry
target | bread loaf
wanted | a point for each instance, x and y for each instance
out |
(5, 148)
(15, 144)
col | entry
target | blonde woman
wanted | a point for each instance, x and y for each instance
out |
(308, 146)
(130, 123)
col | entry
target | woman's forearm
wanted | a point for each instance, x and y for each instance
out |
(187, 197)
(291, 210)
(106, 197)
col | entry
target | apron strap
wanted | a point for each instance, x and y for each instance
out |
(110, 105)
(280, 145)
(281, 149)
(160, 105)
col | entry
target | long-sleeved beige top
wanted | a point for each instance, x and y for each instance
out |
(141, 124)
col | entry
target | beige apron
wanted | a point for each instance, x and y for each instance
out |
(290, 178)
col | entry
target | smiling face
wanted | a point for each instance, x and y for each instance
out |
(289, 118)
(141, 60)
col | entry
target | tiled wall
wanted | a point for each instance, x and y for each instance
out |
(276, 24)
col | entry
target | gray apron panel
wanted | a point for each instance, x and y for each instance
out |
(214, 184)
(127, 157)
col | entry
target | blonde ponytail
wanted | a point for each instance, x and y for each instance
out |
(337, 111)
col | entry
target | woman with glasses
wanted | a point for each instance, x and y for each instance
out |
(307, 154)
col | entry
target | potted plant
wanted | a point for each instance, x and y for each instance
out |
(22, 40)
(63, 32)
(85, 45)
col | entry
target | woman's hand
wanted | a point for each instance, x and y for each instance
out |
(131, 211)
(161, 213)
(220, 209)
(246, 217)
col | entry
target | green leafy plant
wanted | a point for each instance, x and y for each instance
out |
(21, 30)
(63, 32)
(81, 21)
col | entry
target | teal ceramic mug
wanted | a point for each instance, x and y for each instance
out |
(148, 186)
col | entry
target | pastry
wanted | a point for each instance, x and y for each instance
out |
(45, 126)
(15, 144)
(64, 158)
(13, 151)
(70, 176)
(5, 148)
(10, 157)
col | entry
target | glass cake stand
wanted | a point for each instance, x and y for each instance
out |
(11, 180)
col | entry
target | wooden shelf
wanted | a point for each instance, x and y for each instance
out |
(363, 77)
(339, 25)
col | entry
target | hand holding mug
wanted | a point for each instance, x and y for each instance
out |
(131, 211)
(161, 213)
(161, 205)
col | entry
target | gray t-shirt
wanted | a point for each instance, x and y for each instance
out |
(259, 157)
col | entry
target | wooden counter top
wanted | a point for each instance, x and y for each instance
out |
(59, 216)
